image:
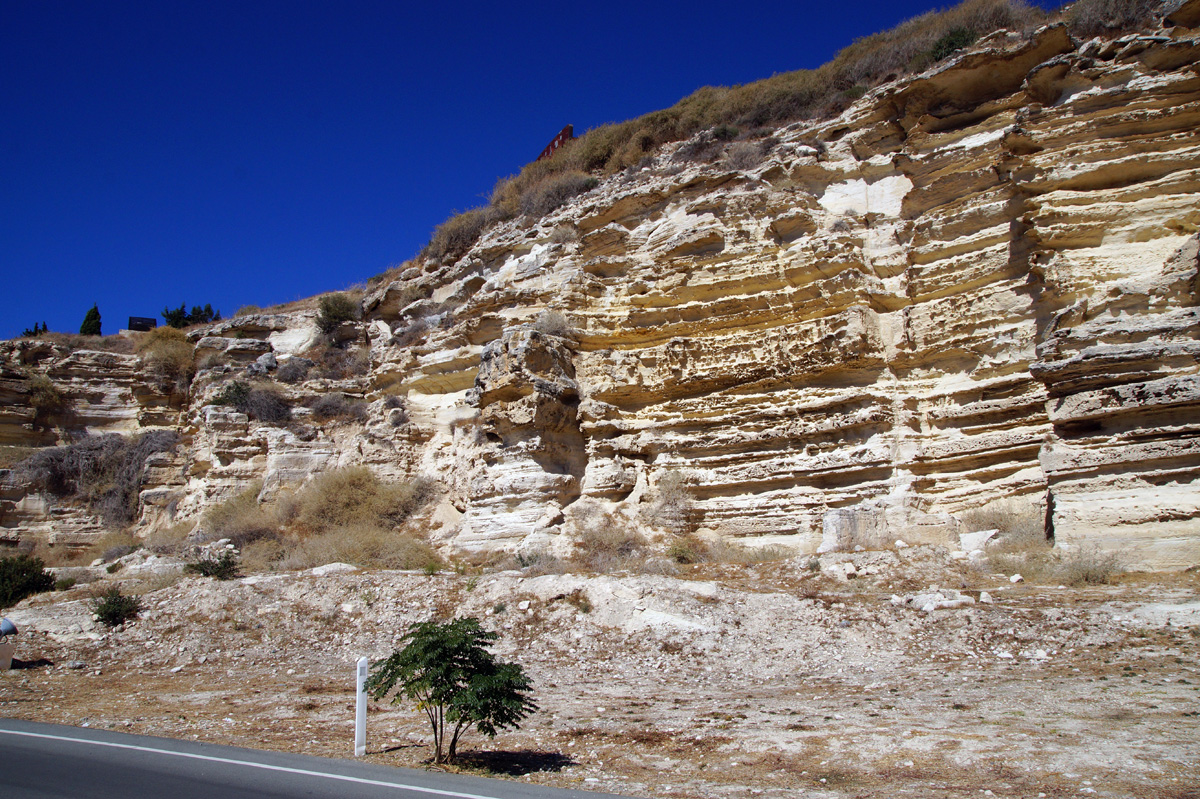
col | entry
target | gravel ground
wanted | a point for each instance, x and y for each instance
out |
(719, 681)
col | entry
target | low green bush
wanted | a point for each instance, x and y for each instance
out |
(113, 608)
(683, 552)
(233, 395)
(22, 576)
(951, 43)
(222, 567)
(258, 402)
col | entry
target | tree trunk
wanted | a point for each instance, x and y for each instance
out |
(453, 753)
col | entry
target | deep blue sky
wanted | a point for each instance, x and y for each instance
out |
(234, 153)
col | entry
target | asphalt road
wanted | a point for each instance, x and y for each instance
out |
(49, 760)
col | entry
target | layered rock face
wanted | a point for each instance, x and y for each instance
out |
(97, 393)
(977, 287)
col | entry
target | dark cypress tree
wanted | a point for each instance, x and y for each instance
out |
(176, 317)
(91, 322)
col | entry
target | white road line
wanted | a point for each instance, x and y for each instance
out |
(249, 763)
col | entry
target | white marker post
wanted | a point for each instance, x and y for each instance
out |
(360, 709)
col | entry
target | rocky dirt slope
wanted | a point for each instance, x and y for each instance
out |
(723, 681)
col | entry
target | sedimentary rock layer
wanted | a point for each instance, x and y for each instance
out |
(975, 288)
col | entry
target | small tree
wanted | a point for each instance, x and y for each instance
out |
(91, 322)
(452, 676)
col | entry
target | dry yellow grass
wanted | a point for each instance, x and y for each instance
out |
(241, 518)
(354, 497)
(364, 545)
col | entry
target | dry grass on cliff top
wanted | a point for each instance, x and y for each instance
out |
(73, 342)
(169, 356)
(754, 109)
(542, 186)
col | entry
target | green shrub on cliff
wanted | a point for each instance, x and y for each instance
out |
(335, 309)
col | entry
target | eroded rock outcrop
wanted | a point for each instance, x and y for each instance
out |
(978, 284)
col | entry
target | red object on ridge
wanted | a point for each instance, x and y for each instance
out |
(564, 136)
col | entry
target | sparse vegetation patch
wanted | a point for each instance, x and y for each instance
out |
(104, 472)
(258, 402)
(222, 567)
(169, 356)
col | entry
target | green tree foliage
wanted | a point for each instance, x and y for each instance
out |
(91, 322)
(182, 317)
(449, 672)
(36, 330)
(22, 576)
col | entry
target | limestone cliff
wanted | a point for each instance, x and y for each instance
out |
(977, 284)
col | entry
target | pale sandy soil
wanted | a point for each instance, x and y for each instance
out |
(721, 681)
